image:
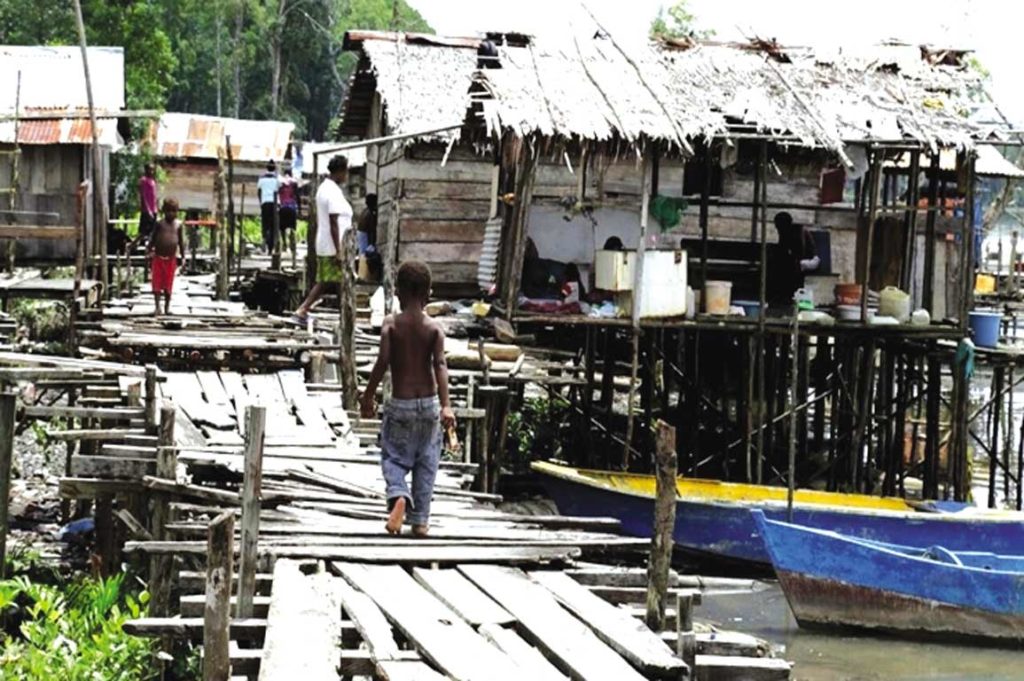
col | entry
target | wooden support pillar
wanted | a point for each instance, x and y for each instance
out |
(865, 279)
(515, 248)
(910, 222)
(490, 398)
(347, 325)
(928, 286)
(932, 416)
(221, 231)
(255, 424)
(220, 551)
(686, 639)
(150, 398)
(232, 226)
(660, 561)
(241, 238)
(8, 403)
(637, 298)
(160, 566)
(761, 198)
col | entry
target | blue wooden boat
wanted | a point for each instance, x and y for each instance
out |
(713, 518)
(832, 580)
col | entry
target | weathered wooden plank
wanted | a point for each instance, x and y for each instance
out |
(438, 633)
(191, 605)
(106, 435)
(303, 627)
(112, 467)
(529, 658)
(407, 671)
(625, 634)
(264, 389)
(186, 433)
(442, 230)
(571, 644)
(370, 622)
(191, 627)
(728, 668)
(446, 189)
(462, 596)
(447, 252)
(212, 387)
(105, 413)
(252, 484)
(358, 663)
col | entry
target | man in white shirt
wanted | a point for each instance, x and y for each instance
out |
(333, 228)
(266, 189)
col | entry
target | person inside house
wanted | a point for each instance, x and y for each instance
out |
(266, 189)
(333, 236)
(366, 235)
(795, 256)
(288, 211)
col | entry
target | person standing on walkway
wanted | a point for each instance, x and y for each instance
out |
(266, 188)
(147, 206)
(288, 198)
(333, 230)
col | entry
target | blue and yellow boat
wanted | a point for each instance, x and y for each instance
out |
(714, 518)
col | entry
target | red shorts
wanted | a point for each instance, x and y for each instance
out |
(163, 273)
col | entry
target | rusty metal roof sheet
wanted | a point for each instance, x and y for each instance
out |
(182, 135)
(73, 129)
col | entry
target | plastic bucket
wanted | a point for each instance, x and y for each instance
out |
(751, 308)
(716, 297)
(985, 327)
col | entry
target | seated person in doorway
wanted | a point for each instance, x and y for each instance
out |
(163, 250)
(366, 236)
(542, 278)
(794, 256)
(613, 243)
(288, 211)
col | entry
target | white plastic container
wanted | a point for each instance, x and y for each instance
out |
(663, 290)
(613, 270)
(894, 303)
(717, 297)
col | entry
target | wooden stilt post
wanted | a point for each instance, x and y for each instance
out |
(166, 468)
(7, 417)
(150, 398)
(686, 639)
(794, 401)
(638, 275)
(255, 424)
(232, 226)
(220, 551)
(241, 239)
(664, 522)
(220, 231)
(105, 544)
(347, 324)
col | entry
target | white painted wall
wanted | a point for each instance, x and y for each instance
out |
(577, 239)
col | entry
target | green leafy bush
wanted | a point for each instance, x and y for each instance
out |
(539, 429)
(72, 633)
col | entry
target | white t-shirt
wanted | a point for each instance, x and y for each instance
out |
(330, 200)
(266, 186)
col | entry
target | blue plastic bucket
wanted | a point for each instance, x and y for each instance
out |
(985, 327)
(751, 308)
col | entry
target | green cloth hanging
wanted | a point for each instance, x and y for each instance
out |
(965, 357)
(668, 210)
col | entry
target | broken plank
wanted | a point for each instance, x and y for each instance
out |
(357, 663)
(528, 657)
(370, 622)
(571, 644)
(436, 632)
(462, 596)
(303, 627)
(112, 467)
(626, 635)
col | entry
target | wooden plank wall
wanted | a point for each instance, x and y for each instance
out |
(49, 179)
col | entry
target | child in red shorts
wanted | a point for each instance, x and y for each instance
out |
(164, 248)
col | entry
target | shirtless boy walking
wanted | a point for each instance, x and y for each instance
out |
(164, 248)
(412, 346)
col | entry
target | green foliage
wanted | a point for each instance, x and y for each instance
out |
(46, 321)
(677, 22)
(537, 430)
(72, 633)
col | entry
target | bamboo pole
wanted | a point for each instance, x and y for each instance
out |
(99, 201)
(637, 297)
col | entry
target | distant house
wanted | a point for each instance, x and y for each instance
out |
(592, 111)
(49, 144)
(187, 148)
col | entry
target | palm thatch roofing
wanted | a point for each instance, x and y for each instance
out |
(598, 89)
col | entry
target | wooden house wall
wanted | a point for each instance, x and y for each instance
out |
(49, 176)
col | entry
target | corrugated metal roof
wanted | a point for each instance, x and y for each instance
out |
(182, 135)
(74, 130)
(53, 77)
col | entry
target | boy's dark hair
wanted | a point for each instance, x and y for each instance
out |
(413, 280)
(613, 243)
(337, 164)
(170, 204)
(271, 166)
(783, 220)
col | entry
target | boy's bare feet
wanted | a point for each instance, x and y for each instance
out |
(396, 517)
(420, 530)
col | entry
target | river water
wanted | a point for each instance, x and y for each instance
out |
(841, 657)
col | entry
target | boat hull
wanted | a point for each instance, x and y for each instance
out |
(726, 529)
(836, 581)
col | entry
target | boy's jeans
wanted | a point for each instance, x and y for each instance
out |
(411, 441)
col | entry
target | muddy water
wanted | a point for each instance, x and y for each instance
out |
(821, 657)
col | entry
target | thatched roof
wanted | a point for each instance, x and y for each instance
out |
(598, 89)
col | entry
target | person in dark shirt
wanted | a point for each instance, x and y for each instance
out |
(795, 256)
(366, 234)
